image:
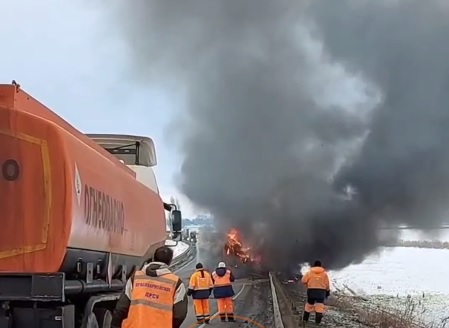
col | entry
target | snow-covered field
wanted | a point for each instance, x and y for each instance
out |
(180, 248)
(389, 277)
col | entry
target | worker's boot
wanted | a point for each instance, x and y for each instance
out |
(305, 318)
(223, 317)
(318, 318)
(231, 317)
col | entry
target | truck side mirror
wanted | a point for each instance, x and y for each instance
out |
(176, 220)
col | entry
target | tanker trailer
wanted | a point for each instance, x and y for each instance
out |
(79, 214)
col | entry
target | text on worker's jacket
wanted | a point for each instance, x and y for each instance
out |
(153, 286)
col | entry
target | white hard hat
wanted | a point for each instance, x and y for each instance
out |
(222, 265)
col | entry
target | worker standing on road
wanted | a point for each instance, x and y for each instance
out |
(318, 288)
(154, 297)
(223, 291)
(200, 288)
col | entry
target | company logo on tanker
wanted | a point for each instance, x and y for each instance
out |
(103, 211)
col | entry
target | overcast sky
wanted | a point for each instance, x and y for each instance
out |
(62, 54)
(65, 54)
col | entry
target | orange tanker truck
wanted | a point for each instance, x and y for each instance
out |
(79, 213)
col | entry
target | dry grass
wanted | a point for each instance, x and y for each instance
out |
(375, 316)
(353, 310)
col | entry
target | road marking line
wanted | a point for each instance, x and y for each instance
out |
(216, 314)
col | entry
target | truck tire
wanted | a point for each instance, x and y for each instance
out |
(104, 317)
(92, 321)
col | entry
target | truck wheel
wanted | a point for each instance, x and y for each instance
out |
(92, 321)
(104, 317)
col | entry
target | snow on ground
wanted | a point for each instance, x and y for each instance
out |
(395, 273)
(180, 248)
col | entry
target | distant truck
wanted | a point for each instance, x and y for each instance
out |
(79, 214)
(193, 236)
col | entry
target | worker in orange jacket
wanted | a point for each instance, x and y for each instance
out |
(200, 288)
(154, 297)
(318, 289)
(223, 291)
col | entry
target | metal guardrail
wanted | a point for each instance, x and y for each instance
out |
(290, 310)
(278, 323)
(188, 255)
(185, 252)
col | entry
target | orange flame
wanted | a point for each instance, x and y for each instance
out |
(234, 246)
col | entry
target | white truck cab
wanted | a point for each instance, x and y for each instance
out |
(136, 152)
(139, 154)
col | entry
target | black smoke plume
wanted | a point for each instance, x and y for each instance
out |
(263, 151)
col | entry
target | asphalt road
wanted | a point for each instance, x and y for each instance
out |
(253, 307)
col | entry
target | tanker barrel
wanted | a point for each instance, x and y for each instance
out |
(73, 287)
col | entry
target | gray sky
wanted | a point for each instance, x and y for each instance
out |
(65, 54)
(60, 52)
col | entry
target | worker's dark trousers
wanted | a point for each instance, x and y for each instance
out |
(314, 304)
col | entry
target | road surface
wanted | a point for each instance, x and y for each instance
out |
(252, 303)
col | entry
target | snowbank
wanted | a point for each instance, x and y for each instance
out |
(180, 248)
(396, 273)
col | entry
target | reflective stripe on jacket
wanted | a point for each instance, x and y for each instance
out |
(222, 283)
(151, 301)
(200, 285)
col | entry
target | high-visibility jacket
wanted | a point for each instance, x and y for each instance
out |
(223, 279)
(200, 285)
(151, 301)
(317, 282)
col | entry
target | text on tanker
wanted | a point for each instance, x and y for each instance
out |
(103, 211)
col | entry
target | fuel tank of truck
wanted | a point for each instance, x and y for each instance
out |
(63, 198)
